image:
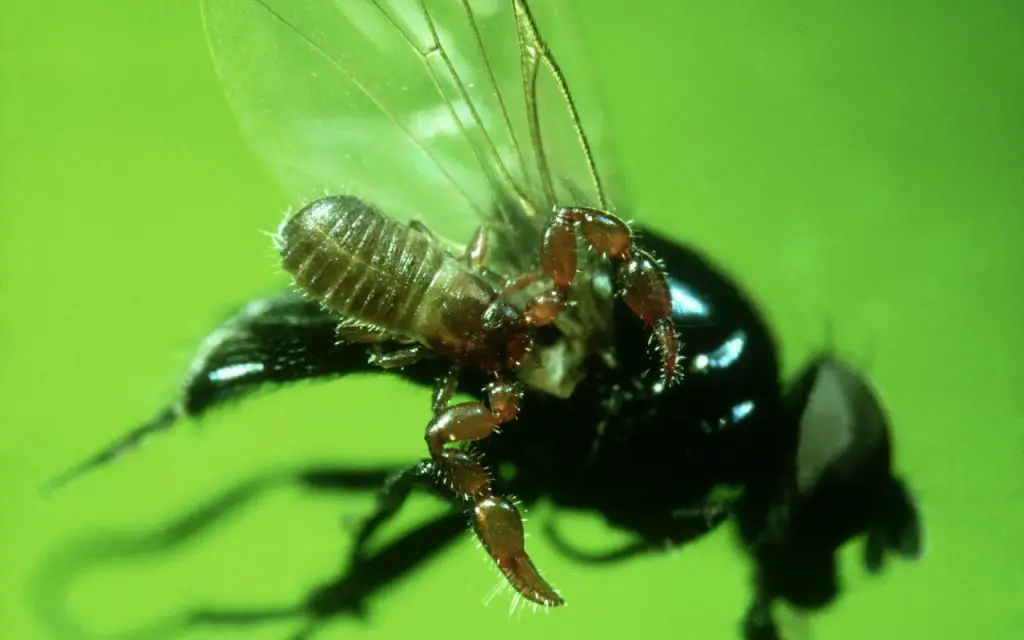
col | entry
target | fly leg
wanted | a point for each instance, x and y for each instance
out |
(396, 489)
(392, 496)
(495, 520)
(641, 280)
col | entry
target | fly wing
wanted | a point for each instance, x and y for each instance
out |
(451, 112)
(448, 111)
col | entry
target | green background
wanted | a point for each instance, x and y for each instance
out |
(858, 164)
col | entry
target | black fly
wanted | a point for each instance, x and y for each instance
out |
(476, 246)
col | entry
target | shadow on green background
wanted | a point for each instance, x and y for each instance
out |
(860, 167)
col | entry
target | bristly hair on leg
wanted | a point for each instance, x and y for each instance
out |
(513, 607)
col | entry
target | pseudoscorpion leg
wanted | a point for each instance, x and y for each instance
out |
(399, 358)
(496, 521)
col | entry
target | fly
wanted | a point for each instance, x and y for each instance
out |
(471, 240)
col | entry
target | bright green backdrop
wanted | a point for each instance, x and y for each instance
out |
(853, 163)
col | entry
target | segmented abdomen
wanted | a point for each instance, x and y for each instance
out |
(363, 264)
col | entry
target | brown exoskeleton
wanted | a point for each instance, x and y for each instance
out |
(397, 282)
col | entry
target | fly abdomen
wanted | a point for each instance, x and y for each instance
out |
(361, 263)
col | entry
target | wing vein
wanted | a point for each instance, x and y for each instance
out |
(494, 84)
(524, 17)
(461, 86)
(319, 49)
(531, 66)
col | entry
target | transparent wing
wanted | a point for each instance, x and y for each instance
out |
(452, 112)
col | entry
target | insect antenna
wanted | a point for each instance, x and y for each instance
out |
(163, 420)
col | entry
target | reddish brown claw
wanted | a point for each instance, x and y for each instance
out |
(605, 233)
(500, 529)
(641, 280)
(460, 423)
(558, 252)
(495, 520)
(646, 292)
(645, 289)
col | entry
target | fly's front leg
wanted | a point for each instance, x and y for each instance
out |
(641, 280)
(392, 496)
(395, 491)
(496, 521)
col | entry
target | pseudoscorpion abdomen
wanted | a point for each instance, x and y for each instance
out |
(365, 265)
